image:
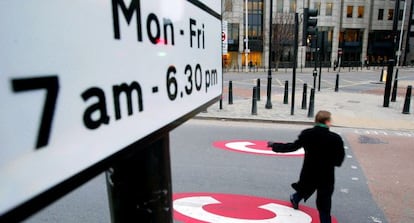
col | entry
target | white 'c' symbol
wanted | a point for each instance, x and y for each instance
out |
(193, 207)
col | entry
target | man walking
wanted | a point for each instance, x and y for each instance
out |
(323, 151)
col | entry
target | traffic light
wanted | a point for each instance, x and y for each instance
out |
(309, 24)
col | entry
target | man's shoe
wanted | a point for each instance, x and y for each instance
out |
(295, 204)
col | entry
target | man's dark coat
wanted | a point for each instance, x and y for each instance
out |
(323, 151)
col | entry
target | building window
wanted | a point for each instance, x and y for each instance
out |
(317, 6)
(292, 6)
(390, 14)
(380, 14)
(349, 11)
(329, 9)
(361, 11)
(233, 36)
(255, 12)
(228, 5)
(279, 6)
(401, 14)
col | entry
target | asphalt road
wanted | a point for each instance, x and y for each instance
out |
(356, 81)
(199, 167)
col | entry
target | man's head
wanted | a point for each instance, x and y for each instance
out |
(323, 117)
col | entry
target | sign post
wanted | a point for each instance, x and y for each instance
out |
(81, 81)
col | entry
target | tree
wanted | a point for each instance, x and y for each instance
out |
(283, 37)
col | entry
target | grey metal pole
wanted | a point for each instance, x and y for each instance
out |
(139, 186)
(269, 72)
(295, 63)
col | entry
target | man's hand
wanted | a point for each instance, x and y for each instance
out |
(270, 143)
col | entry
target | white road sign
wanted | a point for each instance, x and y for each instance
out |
(81, 80)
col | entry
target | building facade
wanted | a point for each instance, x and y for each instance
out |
(350, 32)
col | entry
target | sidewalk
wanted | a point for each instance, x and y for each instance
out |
(362, 110)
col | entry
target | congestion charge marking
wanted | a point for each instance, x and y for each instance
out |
(253, 147)
(234, 208)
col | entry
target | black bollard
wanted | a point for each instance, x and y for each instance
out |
(407, 102)
(311, 103)
(394, 91)
(382, 75)
(285, 96)
(304, 96)
(230, 92)
(254, 101)
(387, 90)
(221, 103)
(395, 87)
(337, 83)
(258, 89)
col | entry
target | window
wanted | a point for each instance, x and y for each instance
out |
(228, 6)
(329, 8)
(361, 10)
(279, 6)
(293, 6)
(401, 14)
(255, 17)
(390, 14)
(380, 14)
(317, 6)
(349, 11)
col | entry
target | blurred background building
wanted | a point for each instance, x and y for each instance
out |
(354, 32)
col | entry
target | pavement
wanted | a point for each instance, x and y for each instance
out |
(355, 110)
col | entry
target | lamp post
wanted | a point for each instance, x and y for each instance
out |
(269, 72)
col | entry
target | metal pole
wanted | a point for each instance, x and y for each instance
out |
(269, 72)
(246, 51)
(320, 60)
(295, 63)
(139, 186)
(230, 92)
(401, 36)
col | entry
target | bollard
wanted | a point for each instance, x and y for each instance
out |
(311, 103)
(304, 96)
(394, 91)
(258, 89)
(395, 87)
(285, 96)
(221, 103)
(337, 83)
(230, 92)
(382, 75)
(407, 102)
(254, 101)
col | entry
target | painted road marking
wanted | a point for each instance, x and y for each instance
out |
(383, 133)
(253, 147)
(231, 208)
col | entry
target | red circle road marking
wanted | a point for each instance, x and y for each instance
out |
(253, 147)
(232, 208)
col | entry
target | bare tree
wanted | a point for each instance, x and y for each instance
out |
(283, 37)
